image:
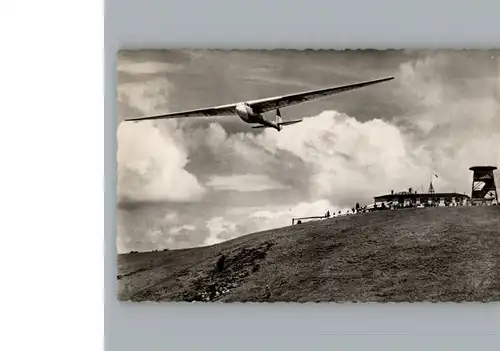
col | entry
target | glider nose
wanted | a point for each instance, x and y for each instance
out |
(240, 109)
(242, 112)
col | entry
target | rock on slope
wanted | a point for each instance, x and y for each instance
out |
(432, 254)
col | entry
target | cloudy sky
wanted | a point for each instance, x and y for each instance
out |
(198, 181)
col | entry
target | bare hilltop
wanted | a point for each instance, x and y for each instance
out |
(424, 254)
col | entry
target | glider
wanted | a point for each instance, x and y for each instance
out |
(251, 111)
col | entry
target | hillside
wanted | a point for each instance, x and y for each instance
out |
(431, 254)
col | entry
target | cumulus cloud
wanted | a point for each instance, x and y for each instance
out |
(182, 229)
(347, 158)
(220, 229)
(171, 217)
(152, 161)
(151, 166)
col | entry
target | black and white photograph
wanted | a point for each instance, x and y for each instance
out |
(308, 175)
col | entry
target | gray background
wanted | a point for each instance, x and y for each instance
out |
(310, 24)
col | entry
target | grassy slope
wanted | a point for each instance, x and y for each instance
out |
(432, 254)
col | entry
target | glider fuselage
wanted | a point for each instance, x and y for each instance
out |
(247, 114)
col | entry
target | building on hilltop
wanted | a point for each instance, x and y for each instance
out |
(412, 198)
(484, 189)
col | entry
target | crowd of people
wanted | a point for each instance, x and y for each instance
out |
(395, 206)
(357, 209)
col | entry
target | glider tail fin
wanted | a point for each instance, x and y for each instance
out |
(280, 122)
(279, 119)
